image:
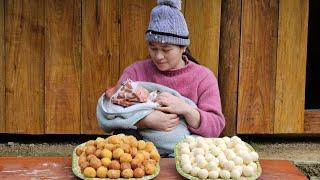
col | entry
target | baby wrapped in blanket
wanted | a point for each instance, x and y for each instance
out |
(132, 102)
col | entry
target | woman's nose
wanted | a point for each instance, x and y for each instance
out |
(159, 55)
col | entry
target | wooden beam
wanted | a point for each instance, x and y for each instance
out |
(229, 62)
(63, 66)
(257, 73)
(24, 49)
(100, 57)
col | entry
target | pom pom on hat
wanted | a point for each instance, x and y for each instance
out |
(172, 3)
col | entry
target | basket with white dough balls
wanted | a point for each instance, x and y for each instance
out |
(216, 158)
(116, 157)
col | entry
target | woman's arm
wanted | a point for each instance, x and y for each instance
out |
(212, 120)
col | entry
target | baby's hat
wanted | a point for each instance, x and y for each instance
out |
(167, 24)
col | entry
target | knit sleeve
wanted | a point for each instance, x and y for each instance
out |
(212, 120)
(128, 73)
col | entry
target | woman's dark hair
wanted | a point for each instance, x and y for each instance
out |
(189, 56)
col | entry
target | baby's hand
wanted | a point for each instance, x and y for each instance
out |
(110, 91)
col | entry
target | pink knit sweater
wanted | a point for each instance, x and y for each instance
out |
(195, 82)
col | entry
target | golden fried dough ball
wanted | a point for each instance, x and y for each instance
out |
(105, 162)
(149, 169)
(101, 145)
(95, 163)
(90, 149)
(83, 165)
(135, 163)
(113, 174)
(155, 155)
(106, 153)
(98, 140)
(114, 139)
(138, 173)
(133, 151)
(98, 153)
(127, 173)
(114, 164)
(149, 146)
(140, 156)
(90, 143)
(125, 157)
(116, 154)
(125, 165)
(110, 147)
(125, 147)
(141, 144)
(79, 150)
(82, 159)
(89, 172)
(102, 172)
(146, 154)
(149, 161)
(91, 156)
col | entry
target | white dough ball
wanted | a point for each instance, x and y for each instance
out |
(192, 145)
(185, 151)
(197, 151)
(226, 139)
(218, 141)
(203, 173)
(238, 160)
(222, 157)
(224, 174)
(186, 168)
(254, 156)
(209, 157)
(184, 145)
(240, 168)
(254, 166)
(228, 165)
(235, 174)
(212, 165)
(190, 139)
(246, 158)
(215, 151)
(222, 146)
(248, 171)
(202, 163)
(194, 171)
(235, 139)
(213, 174)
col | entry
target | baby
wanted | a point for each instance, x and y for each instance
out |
(131, 102)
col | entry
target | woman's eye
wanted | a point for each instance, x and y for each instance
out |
(166, 50)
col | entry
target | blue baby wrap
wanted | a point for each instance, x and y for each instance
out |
(111, 116)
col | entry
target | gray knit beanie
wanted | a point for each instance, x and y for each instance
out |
(167, 24)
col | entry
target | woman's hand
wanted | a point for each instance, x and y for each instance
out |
(160, 121)
(171, 104)
(175, 105)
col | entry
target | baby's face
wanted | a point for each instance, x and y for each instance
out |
(166, 57)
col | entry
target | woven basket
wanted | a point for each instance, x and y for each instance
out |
(188, 176)
(76, 169)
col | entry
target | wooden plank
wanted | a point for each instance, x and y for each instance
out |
(312, 121)
(100, 57)
(2, 70)
(256, 96)
(63, 66)
(204, 29)
(229, 62)
(291, 66)
(24, 31)
(53, 167)
(135, 16)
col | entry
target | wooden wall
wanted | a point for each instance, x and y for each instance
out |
(57, 57)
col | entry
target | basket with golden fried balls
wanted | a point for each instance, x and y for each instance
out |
(117, 156)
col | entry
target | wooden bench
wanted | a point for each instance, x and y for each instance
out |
(60, 168)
